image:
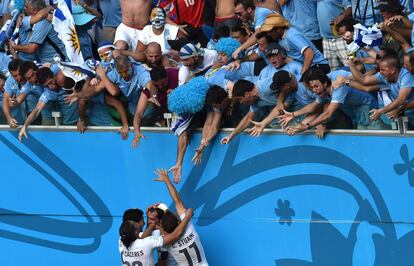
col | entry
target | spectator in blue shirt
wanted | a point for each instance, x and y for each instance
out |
(295, 43)
(111, 15)
(2, 82)
(127, 79)
(44, 42)
(13, 111)
(55, 84)
(355, 104)
(396, 86)
(364, 11)
(330, 13)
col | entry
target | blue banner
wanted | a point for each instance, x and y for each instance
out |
(273, 200)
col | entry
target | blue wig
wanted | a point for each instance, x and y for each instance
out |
(227, 45)
(188, 98)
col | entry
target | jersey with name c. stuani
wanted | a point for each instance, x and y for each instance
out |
(188, 249)
(139, 252)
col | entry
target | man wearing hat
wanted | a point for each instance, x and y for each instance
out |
(196, 61)
(295, 43)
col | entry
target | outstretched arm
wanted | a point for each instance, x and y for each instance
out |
(163, 177)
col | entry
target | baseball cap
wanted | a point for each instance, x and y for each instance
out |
(80, 16)
(133, 215)
(280, 78)
(272, 21)
(392, 6)
(273, 48)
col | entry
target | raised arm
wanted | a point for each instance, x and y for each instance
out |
(243, 124)
(163, 177)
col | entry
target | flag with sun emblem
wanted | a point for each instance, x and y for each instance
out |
(64, 25)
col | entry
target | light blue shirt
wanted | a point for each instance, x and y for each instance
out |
(372, 15)
(4, 7)
(305, 96)
(42, 34)
(69, 112)
(33, 93)
(13, 89)
(24, 38)
(132, 88)
(267, 96)
(327, 11)
(405, 81)
(305, 18)
(354, 103)
(295, 43)
(111, 13)
(4, 63)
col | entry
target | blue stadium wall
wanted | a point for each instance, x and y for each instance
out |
(274, 200)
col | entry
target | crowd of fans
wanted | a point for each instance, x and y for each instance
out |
(291, 64)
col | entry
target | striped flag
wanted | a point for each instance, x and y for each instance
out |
(75, 71)
(65, 27)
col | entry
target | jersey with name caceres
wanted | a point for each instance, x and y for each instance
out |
(139, 252)
(188, 249)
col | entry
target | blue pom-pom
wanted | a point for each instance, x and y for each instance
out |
(188, 98)
(227, 45)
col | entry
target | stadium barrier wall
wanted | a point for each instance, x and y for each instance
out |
(273, 200)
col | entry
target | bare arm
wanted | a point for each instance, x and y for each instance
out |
(163, 177)
(243, 124)
(307, 63)
(33, 115)
(107, 83)
(359, 77)
(141, 107)
(6, 110)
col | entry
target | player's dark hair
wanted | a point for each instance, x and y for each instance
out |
(26, 66)
(241, 87)
(169, 222)
(392, 61)
(240, 28)
(315, 73)
(43, 74)
(221, 32)
(127, 232)
(133, 215)
(158, 211)
(215, 95)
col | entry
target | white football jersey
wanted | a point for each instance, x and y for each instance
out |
(139, 252)
(188, 249)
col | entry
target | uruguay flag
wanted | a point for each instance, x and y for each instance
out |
(75, 71)
(65, 27)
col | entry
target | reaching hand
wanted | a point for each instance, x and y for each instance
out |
(226, 140)
(257, 129)
(296, 129)
(197, 156)
(235, 54)
(80, 125)
(100, 71)
(320, 131)
(375, 113)
(285, 118)
(233, 65)
(71, 98)
(13, 123)
(137, 139)
(162, 175)
(394, 114)
(124, 132)
(176, 169)
(22, 133)
(94, 82)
